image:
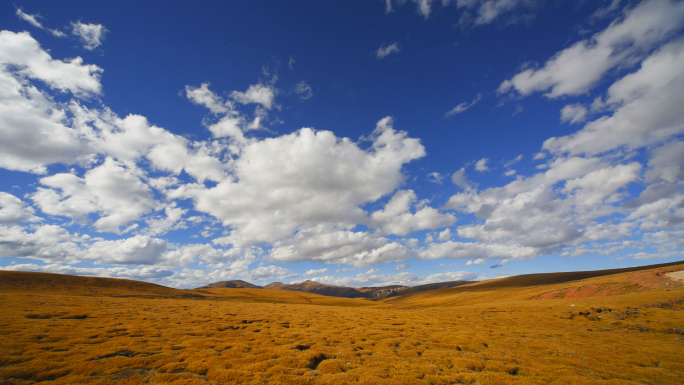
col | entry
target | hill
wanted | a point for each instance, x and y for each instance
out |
(50, 283)
(319, 288)
(235, 284)
(427, 287)
(553, 285)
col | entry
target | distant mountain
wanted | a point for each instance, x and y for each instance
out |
(426, 287)
(235, 284)
(338, 291)
(319, 288)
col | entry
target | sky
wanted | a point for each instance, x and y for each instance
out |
(356, 143)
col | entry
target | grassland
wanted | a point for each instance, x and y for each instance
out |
(623, 328)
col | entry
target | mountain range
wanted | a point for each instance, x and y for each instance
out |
(339, 291)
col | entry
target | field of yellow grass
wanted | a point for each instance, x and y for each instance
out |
(623, 328)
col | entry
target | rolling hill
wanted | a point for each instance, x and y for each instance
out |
(235, 284)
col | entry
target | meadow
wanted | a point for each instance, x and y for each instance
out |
(624, 328)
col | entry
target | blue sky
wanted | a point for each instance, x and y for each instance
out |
(354, 143)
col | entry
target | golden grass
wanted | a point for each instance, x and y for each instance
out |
(131, 334)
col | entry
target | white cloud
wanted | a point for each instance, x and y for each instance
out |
(479, 261)
(513, 161)
(34, 127)
(14, 211)
(22, 51)
(130, 139)
(607, 11)
(463, 106)
(204, 97)
(306, 178)
(531, 216)
(383, 51)
(647, 107)
(573, 113)
(114, 192)
(667, 163)
(577, 69)
(337, 246)
(481, 165)
(137, 250)
(258, 94)
(33, 20)
(48, 243)
(469, 250)
(396, 218)
(459, 179)
(656, 255)
(401, 266)
(162, 225)
(388, 6)
(91, 35)
(444, 235)
(435, 177)
(311, 272)
(594, 187)
(144, 273)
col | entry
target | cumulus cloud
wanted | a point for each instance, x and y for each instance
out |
(460, 179)
(20, 50)
(531, 216)
(578, 69)
(321, 244)
(383, 51)
(311, 272)
(14, 211)
(306, 178)
(144, 273)
(91, 35)
(481, 165)
(113, 191)
(137, 250)
(646, 106)
(573, 113)
(34, 128)
(396, 218)
(258, 94)
(233, 124)
(444, 235)
(49, 243)
(204, 97)
(479, 261)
